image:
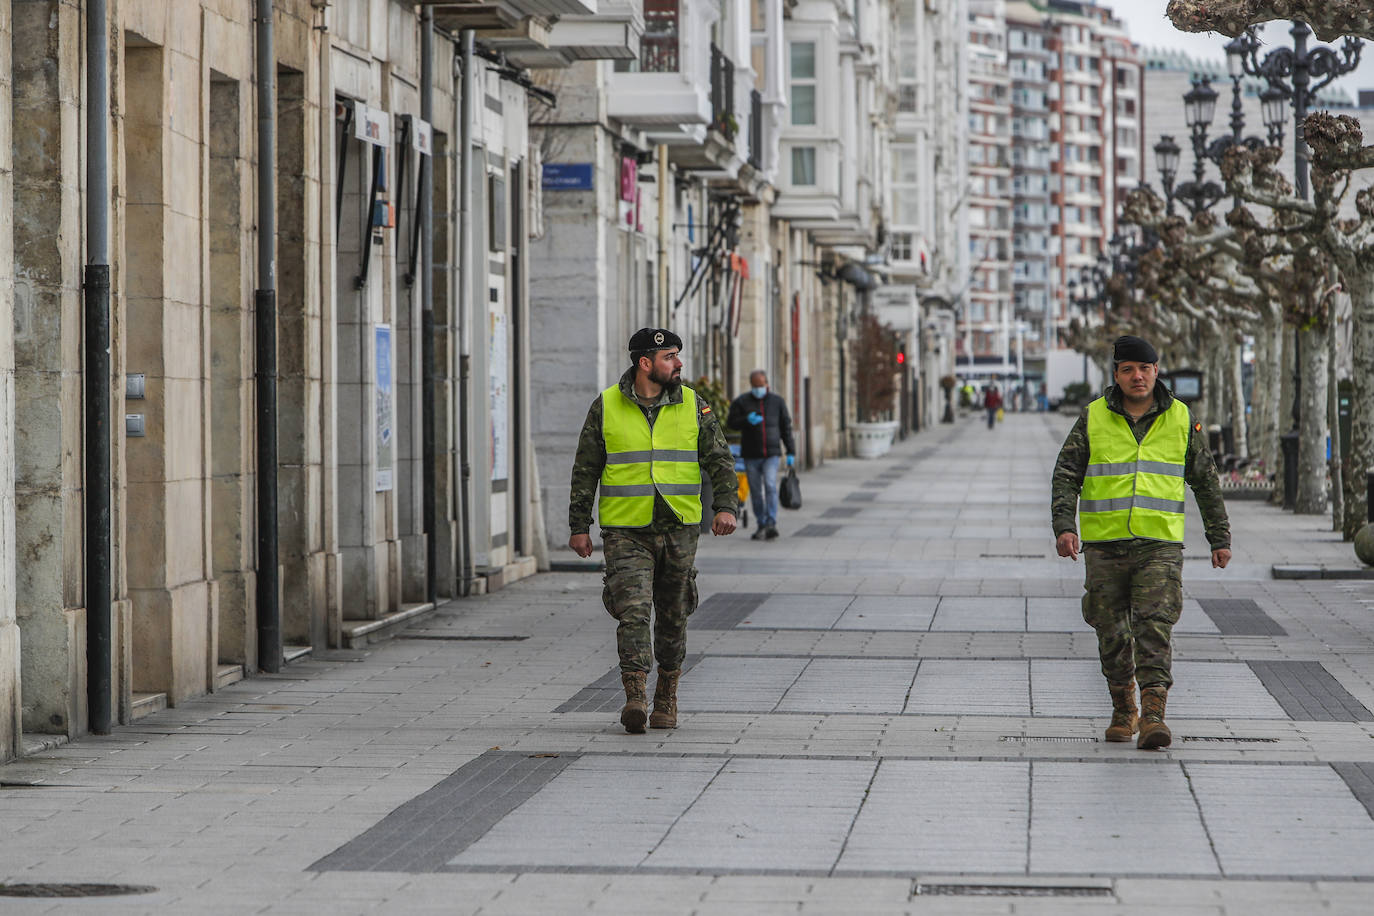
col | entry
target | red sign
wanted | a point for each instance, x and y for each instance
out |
(629, 178)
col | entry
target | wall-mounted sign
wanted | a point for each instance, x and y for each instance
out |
(568, 176)
(421, 135)
(371, 125)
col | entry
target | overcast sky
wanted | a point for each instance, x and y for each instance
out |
(1148, 26)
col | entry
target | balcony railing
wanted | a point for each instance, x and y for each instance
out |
(755, 129)
(723, 94)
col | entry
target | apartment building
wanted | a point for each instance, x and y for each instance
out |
(1078, 147)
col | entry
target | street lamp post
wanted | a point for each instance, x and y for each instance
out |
(1295, 75)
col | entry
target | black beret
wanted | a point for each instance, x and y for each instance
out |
(1133, 349)
(654, 339)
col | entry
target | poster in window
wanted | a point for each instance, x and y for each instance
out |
(386, 409)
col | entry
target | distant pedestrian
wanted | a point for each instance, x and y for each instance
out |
(992, 402)
(1123, 467)
(765, 427)
(645, 442)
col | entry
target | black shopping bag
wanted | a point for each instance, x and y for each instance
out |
(789, 492)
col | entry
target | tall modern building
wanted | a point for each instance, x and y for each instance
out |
(988, 326)
(1077, 104)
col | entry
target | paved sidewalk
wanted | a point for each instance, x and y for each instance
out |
(895, 708)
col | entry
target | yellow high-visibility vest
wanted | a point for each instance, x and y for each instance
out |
(641, 461)
(1134, 489)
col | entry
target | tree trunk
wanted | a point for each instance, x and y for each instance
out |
(1263, 432)
(1360, 285)
(1333, 419)
(1283, 411)
(1239, 421)
(1312, 434)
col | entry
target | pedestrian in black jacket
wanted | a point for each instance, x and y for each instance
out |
(765, 428)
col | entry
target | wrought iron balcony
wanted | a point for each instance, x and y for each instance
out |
(723, 94)
(755, 129)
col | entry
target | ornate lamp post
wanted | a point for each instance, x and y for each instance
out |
(1295, 75)
(1166, 160)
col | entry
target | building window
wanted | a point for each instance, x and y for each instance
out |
(804, 165)
(803, 82)
(902, 245)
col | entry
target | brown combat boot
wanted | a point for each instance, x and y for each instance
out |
(665, 700)
(1124, 719)
(636, 708)
(1153, 732)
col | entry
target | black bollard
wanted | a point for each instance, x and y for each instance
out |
(1369, 496)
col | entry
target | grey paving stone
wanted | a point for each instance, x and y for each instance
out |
(889, 612)
(975, 688)
(1266, 820)
(740, 684)
(607, 693)
(1308, 692)
(604, 811)
(942, 816)
(816, 530)
(791, 815)
(959, 614)
(1359, 778)
(830, 685)
(1115, 820)
(1240, 617)
(1202, 690)
(811, 612)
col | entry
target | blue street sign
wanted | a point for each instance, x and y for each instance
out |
(567, 176)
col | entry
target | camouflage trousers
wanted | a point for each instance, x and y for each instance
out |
(650, 573)
(1133, 597)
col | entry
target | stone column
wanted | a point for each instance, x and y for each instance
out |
(9, 628)
(46, 387)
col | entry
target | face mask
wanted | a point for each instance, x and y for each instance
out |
(759, 392)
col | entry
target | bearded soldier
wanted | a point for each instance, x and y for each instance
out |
(1123, 467)
(644, 443)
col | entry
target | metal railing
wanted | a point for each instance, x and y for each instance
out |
(723, 94)
(755, 129)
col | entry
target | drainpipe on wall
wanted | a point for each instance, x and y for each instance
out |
(427, 310)
(466, 89)
(265, 302)
(664, 293)
(96, 286)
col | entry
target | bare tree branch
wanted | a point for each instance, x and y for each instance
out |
(1330, 19)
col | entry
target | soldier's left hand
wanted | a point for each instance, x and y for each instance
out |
(1220, 558)
(724, 523)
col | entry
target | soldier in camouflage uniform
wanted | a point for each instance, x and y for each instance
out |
(649, 558)
(1133, 534)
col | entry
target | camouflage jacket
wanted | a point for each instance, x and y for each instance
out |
(1199, 470)
(712, 452)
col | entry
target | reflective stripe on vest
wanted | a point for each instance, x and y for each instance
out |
(641, 462)
(1134, 489)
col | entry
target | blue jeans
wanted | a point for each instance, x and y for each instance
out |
(763, 489)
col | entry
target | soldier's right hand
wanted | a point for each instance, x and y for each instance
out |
(1068, 545)
(581, 545)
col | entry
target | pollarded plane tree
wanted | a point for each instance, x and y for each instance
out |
(1329, 19)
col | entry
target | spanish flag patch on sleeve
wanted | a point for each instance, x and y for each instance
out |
(1197, 427)
(708, 410)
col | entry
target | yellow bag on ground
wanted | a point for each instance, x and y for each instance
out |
(1001, 414)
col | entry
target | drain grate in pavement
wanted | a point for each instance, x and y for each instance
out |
(1054, 739)
(859, 496)
(1009, 890)
(1240, 617)
(1359, 778)
(453, 637)
(74, 890)
(841, 512)
(1013, 556)
(817, 531)
(1228, 739)
(725, 610)
(1308, 692)
(607, 693)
